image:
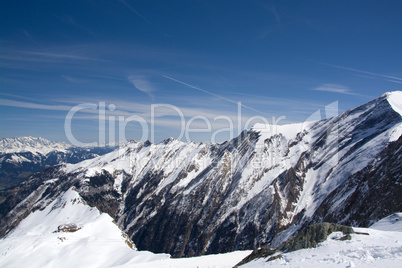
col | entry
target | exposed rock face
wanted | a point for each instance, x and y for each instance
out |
(190, 199)
(370, 194)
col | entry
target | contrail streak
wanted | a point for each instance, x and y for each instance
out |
(212, 94)
(393, 78)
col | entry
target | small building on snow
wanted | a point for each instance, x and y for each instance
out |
(69, 227)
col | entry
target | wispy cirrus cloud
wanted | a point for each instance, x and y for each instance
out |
(63, 107)
(161, 115)
(15, 57)
(73, 22)
(275, 13)
(384, 77)
(73, 79)
(212, 94)
(59, 56)
(135, 11)
(31, 105)
(142, 83)
(335, 88)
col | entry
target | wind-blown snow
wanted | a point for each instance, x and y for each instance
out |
(378, 249)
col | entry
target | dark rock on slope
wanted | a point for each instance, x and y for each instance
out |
(191, 199)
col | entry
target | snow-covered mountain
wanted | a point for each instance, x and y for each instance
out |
(31, 144)
(97, 242)
(23, 156)
(190, 199)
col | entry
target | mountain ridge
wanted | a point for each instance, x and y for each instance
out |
(31, 144)
(191, 199)
(20, 157)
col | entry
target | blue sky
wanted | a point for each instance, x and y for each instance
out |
(280, 59)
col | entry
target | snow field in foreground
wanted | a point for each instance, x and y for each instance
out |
(381, 248)
(98, 242)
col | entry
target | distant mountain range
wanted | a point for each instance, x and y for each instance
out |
(23, 156)
(190, 199)
(31, 144)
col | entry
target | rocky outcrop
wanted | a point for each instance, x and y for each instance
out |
(191, 199)
(370, 194)
(309, 237)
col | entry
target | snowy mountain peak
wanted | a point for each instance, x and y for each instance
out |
(395, 100)
(289, 131)
(169, 140)
(31, 144)
(262, 185)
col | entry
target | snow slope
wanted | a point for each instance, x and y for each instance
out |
(196, 199)
(395, 100)
(225, 260)
(381, 248)
(98, 242)
(390, 223)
